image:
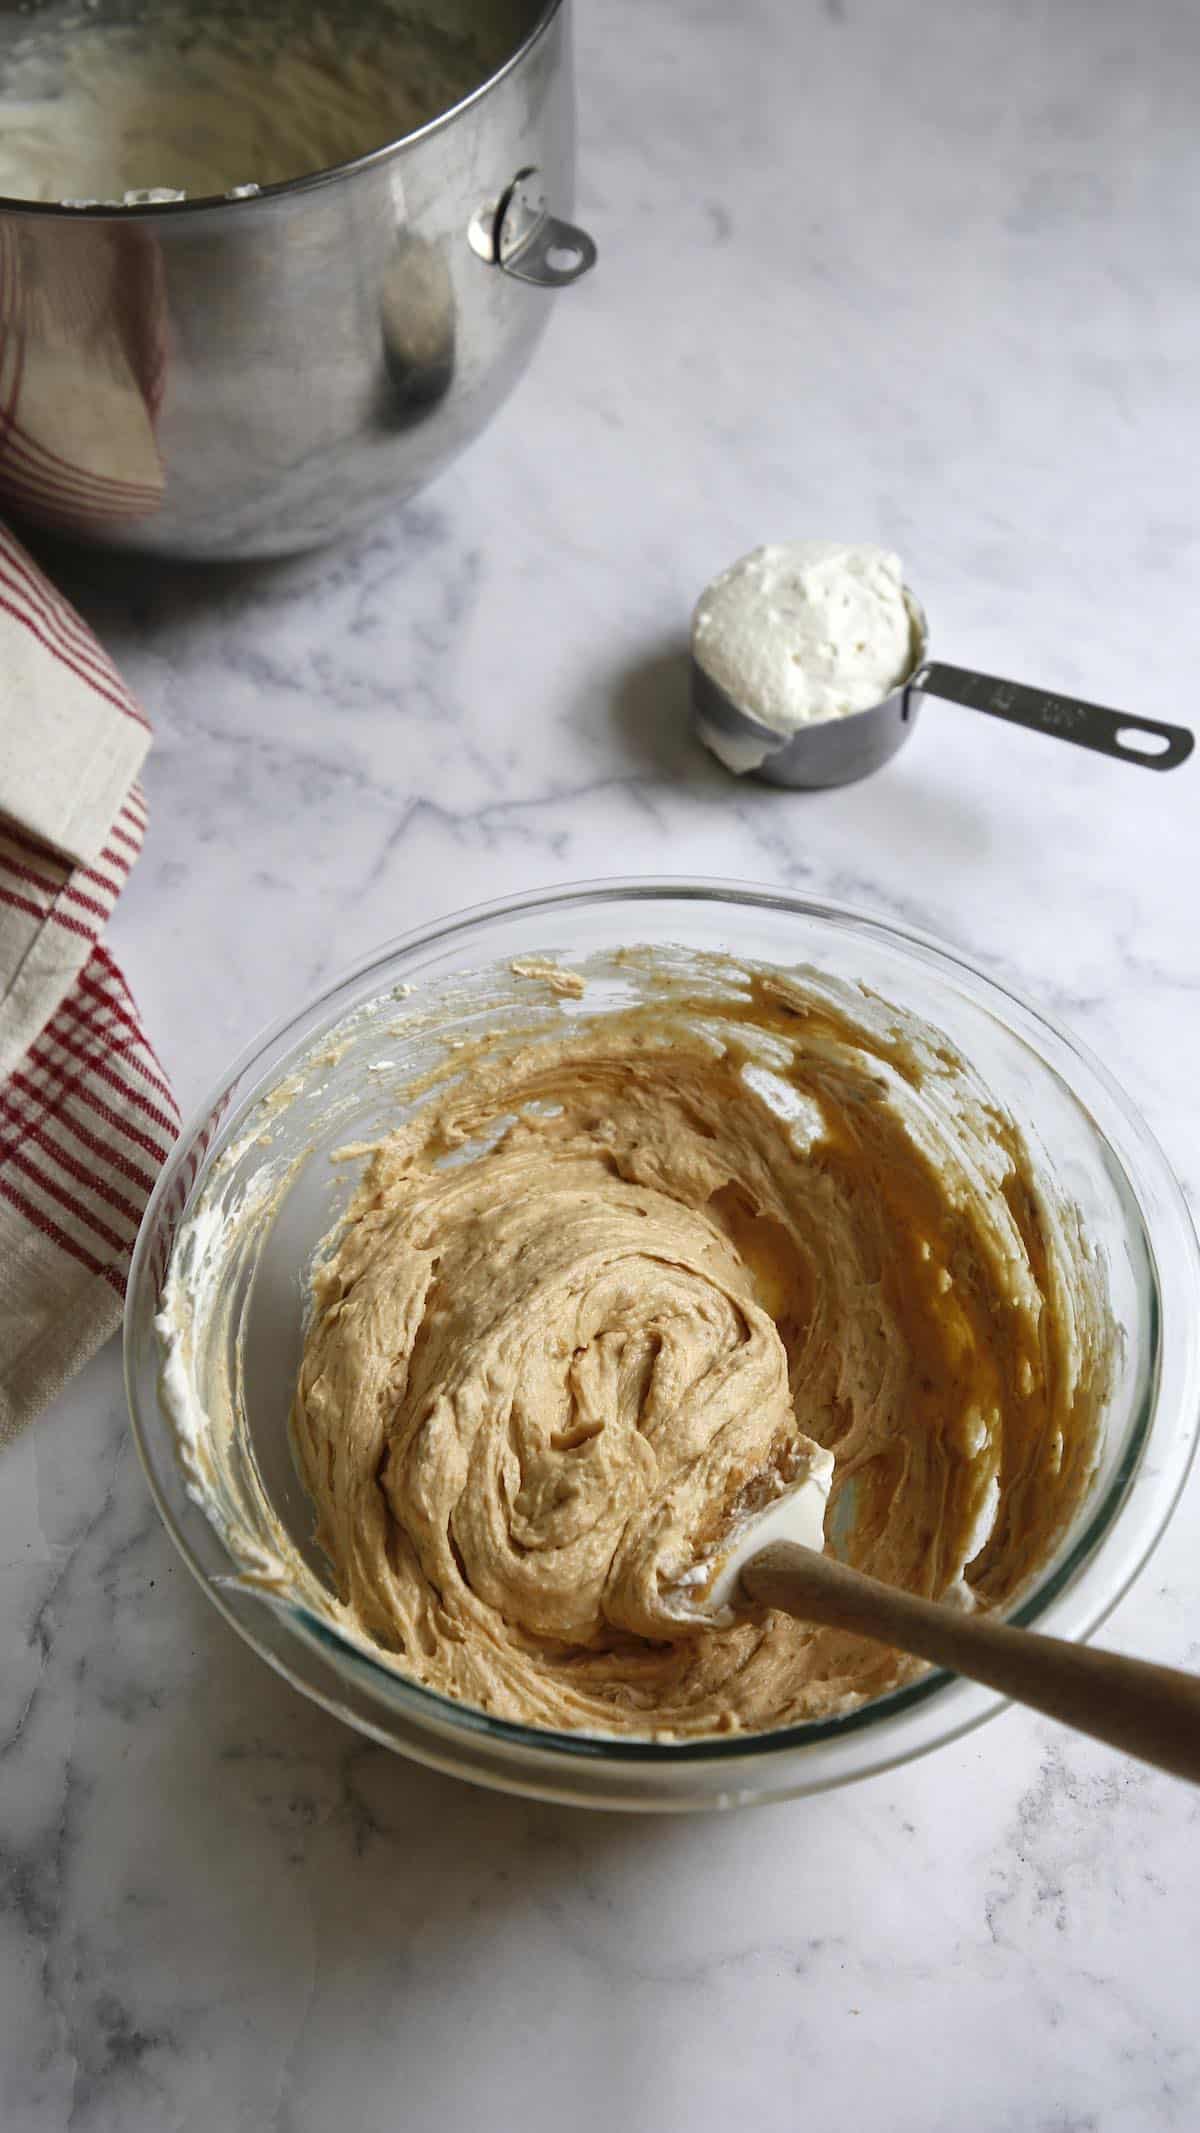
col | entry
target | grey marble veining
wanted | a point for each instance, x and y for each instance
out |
(918, 275)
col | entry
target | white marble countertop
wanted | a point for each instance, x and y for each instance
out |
(925, 276)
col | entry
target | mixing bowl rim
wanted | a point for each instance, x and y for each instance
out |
(156, 211)
(424, 1705)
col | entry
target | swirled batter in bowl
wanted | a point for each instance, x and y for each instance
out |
(604, 1276)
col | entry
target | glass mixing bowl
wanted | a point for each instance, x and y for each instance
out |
(324, 1077)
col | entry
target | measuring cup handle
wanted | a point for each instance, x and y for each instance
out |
(1064, 718)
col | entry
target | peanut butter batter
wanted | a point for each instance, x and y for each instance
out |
(601, 1279)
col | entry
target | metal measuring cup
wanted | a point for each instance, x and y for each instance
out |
(836, 751)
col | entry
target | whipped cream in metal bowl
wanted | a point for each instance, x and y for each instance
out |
(601, 1240)
(102, 104)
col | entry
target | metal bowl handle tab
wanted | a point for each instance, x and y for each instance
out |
(523, 239)
(1148, 742)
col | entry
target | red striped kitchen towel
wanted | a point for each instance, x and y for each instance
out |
(86, 1111)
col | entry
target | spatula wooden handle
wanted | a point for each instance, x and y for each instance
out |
(1149, 1711)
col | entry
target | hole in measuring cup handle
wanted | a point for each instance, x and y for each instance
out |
(1140, 741)
(517, 234)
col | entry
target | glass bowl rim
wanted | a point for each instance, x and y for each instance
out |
(426, 1706)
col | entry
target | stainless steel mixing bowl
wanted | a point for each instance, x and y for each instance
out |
(252, 376)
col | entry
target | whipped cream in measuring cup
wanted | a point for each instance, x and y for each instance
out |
(804, 631)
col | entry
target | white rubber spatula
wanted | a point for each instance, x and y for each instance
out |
(774, 1559)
